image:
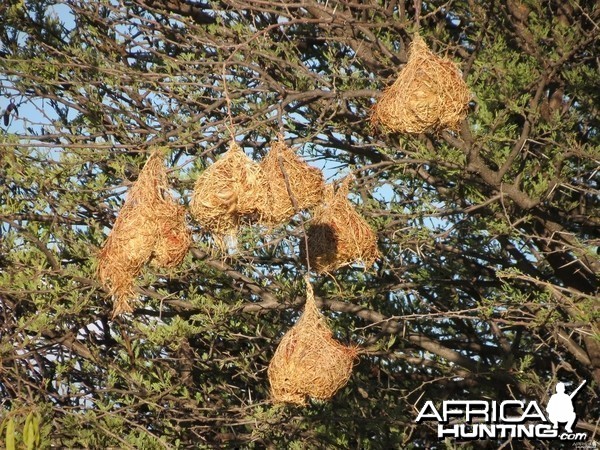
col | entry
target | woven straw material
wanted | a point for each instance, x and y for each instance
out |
(173, 236)
(150, 227)
(229, 192)
(309, 362)
(428, 95)
(338, 236)
(305, 183)
(128, 247)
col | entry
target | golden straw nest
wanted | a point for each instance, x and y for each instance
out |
(309, 362)
(128, 247)
(283, 168)
(174, 237)
(231, 190)
(428, 95)
(150, 227)
(338, 236)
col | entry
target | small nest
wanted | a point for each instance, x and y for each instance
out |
(229, 192)
(174, 237)
(338, 236)
(128, 247)
(309, 362)
(151, 227)
(284, 169)
(428, 95)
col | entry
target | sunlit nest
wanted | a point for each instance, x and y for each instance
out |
(428, 95)
(230, 192)
(309, 362)
(128, 247)
(290, 180)
(174, 237)
(338, 236)
(150, 227)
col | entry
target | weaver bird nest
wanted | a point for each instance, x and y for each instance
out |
(309, 362)
(230, 192)
(293, 184)
(338, 236)
(428, 95)
(151, 227)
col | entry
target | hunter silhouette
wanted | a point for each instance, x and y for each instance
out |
(560, 407)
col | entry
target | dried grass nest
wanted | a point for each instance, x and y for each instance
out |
(228, 193)
(428, 95)
(151, 227)
(337, 235)
(309, 362)
(284, 169)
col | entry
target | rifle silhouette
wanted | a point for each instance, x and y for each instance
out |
(577, 390)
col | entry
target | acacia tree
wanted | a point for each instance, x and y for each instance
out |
(487, 286)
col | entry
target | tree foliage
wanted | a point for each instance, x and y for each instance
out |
(487, 287)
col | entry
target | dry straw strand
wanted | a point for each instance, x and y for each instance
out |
(308, 361)
(229, 192)
(151, 227)
(338, 236)
(305, 183)
(428, 95)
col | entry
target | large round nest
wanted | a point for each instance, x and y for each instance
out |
(428, 95)
(309, 362)
(231, 191)
(293, 184)
(338, 236)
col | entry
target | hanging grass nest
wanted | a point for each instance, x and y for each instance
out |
(231, 191)
(174, 237)
(309, 362)
(338, 236)
(151, 227)
(428, 95)
(127, 248)
(284, 169)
